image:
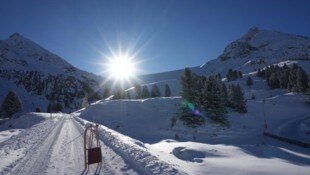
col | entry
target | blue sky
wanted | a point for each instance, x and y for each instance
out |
(164, 34)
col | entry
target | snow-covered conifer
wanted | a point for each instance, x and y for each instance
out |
(145, 92)
(11, 104)
(155, 92)
(167, 91)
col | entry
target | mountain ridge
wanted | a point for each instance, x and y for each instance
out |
(41, 77)
(256, 49)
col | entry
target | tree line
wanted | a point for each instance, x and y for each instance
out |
(57, 89)
(293, 78)
(208, 96)
(141, 92)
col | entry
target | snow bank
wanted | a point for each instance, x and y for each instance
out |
(147, 120)
(21, 146)
(201, 159)
(134, 152)
(16, 125)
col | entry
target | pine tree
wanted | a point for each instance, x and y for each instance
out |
(57, 107)
(273, 81)
(167, 91)
(292, 85)
(128, 95)
(138, 91)
(120, 94)
(38, 110)
(145, 92)
(259, 73)
(11, 104)
(253, 96)
(267, 73)
(189, 111)
(49, 108)
(189, 114)
(240, 75)
(230, 75)
(155, 92)
(85, 102)
(239, 100)
(302, 80)
(188, 85)
(283, 77)
(224, 94)
(249, 81)
(107, 93)
(213, 101)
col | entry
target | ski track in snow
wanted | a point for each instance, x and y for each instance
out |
(55, 146)
(19, 149)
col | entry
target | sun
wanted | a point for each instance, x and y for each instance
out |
(121, 67)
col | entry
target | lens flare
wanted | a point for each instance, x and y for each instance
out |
(192, 107)
(121, 67)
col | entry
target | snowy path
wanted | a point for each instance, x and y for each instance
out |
(36, 161)
(59, 150)
(68, 157)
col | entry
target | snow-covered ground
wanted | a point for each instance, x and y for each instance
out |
(54, 145)
(137, 138)
(213, 149)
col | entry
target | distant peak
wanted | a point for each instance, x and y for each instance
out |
(251, 33)
(254, 29)
(14, 35)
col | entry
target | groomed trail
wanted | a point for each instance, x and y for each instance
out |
(55, 146)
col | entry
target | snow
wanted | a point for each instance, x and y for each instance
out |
(145, 119)
(137, 136)
(211, 148)
(54, 145)
(5, 135)
(200, 158)
(19, 54)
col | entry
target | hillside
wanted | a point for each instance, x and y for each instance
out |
(40, 77)
(207, 148)
(259, 48)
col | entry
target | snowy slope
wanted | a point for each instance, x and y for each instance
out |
(149, 120)
(37, 74)
(213, 149)
(259, 48)
(20, 53)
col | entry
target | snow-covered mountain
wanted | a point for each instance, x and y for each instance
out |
(40, 77)
(257, 49)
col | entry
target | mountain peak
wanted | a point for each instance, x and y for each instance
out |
(260, 43)
(14, 35)
(16, 39)
(251, 33)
